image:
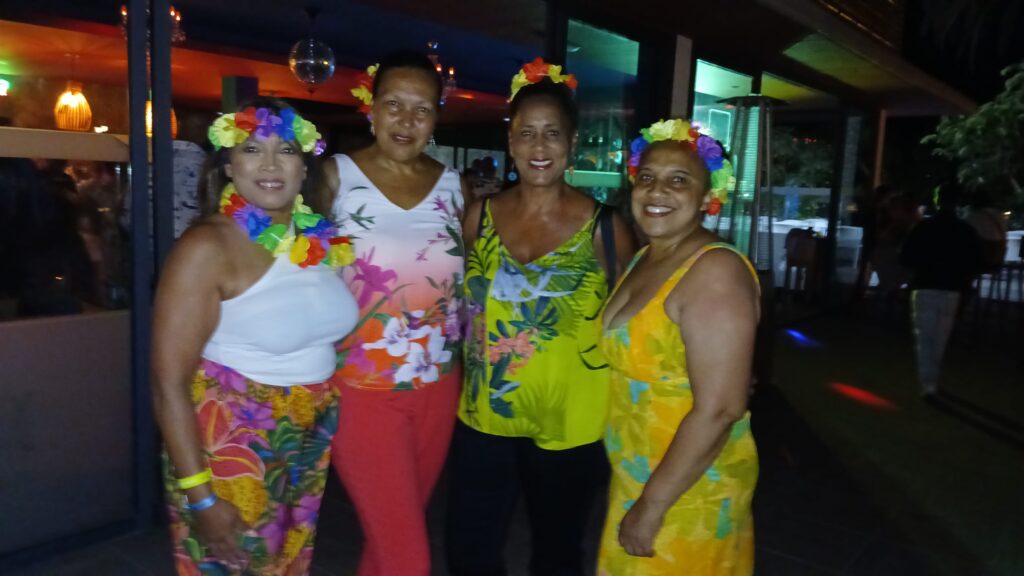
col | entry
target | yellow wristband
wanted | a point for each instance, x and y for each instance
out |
(195, 479)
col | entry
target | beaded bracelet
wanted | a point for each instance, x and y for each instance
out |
(194, 480)
(203, 504)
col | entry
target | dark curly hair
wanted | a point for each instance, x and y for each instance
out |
(558, 92)
(408, 59)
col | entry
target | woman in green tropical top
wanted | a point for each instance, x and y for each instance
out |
(535, 388)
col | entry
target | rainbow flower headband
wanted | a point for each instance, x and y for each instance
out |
(364, 88)
(710, 151)
(230, 130)
(538, 70)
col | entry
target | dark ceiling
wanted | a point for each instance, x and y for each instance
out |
(486, 41)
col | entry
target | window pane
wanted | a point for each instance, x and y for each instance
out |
(605, 64)
(714, 83)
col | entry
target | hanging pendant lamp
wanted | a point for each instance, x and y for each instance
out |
(72, 111)
(149, 121)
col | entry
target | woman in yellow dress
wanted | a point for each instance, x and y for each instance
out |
(683, 460)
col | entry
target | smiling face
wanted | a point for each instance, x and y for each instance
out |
(670, 192)
(268, 172)
(539, 141)
(404, 112)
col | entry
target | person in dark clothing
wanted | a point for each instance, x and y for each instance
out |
(46, 267)
(945, 255)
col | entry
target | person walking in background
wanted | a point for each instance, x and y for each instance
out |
(535, 393)
(246, 316)
(678, 333)
(896, 213)
(399, 371)
(944, 254)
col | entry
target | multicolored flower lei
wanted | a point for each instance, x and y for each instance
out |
(538, 70)
(230, 130)
(317, 243)
(364, 88)
(709, 150)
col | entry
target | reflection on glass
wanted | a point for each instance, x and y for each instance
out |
(64, 250)
(714, 83)
(605, 64)
(443, 154)
(484, 171)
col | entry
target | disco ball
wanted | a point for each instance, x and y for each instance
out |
(311, 61)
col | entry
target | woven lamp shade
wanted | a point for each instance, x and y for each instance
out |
(72, 111)
(149, 121)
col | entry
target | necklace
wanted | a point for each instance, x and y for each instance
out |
(317, 243)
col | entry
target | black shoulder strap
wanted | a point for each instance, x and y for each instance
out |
(604, 218)
(480, 220)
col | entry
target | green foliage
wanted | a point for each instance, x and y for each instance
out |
(988, 145)
(799, 160)
(812, 207)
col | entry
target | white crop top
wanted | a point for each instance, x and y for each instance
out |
(281, 331)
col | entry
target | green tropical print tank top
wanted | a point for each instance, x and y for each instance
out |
(532, 367)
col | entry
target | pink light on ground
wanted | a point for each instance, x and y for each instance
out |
(863, 396)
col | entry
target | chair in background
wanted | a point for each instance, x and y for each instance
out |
(803, 262)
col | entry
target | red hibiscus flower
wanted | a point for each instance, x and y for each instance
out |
(714, 207)
(315, 253)
(535, 70)
(228, 457)
(237, 203)
(246, 119)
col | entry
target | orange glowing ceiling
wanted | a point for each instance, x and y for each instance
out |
(98, 53)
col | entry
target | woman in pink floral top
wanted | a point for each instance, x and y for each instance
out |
(399, 372)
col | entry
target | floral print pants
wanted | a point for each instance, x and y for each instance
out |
(269, 449)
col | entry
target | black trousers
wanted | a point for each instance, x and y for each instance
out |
(487, 475)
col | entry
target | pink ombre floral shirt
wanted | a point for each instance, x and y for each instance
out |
(407, 279)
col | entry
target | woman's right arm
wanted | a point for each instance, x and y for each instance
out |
(186, 312)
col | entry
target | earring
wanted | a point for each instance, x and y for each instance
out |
(512, 176)
(432, 142)
(373, 132)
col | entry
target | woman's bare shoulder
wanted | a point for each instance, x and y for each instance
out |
(207, 240)
(718, 275)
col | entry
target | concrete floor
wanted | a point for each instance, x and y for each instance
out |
(859, 477)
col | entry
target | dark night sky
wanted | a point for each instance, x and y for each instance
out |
(982, 38)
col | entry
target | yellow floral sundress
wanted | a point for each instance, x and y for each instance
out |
(710, 530)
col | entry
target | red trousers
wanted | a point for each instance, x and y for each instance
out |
(389, 451)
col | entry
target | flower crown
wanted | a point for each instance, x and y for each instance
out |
(536, 71)
(364, 88)
(709, 151)
(232, 129)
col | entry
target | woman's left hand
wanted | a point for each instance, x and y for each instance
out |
(639, 527)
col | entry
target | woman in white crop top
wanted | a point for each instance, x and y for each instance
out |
(251, 297)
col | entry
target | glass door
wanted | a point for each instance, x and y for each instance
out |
(605, 64)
